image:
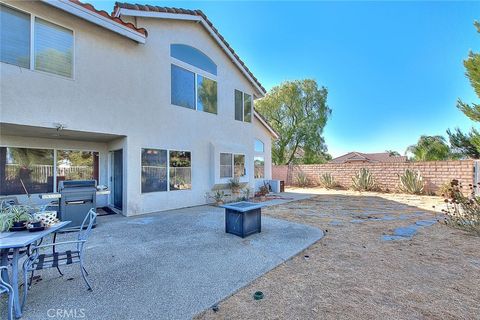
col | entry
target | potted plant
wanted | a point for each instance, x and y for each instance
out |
(263, 191)
(15, 216)
(235, 186)
(218, 196)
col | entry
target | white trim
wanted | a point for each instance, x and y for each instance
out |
(269, 128)
(81, 12)
(189, 17)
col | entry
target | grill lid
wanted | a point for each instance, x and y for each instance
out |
(77, 184)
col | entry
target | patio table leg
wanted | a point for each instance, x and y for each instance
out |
(4, 262)
(16, 301)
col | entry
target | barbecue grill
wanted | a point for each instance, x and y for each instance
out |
(77, 198)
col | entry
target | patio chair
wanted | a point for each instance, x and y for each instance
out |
(7, 288)
(39, 261)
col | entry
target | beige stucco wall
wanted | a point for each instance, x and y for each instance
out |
(121, 87)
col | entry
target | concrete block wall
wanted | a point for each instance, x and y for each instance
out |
(434, 173)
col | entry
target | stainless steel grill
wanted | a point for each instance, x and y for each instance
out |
(77, 198)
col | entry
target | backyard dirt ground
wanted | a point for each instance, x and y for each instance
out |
(355, 272)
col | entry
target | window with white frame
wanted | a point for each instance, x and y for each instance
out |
(232, 165)
(193, 91)
(259, 146)
(259, 167)
(154, 170)
(226, 165)
(164, 170)
(52, 47)
(180, 170)
(243, 106)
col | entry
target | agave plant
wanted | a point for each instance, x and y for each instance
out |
(364, 181)
(302, 180)
(327, 181)
(411, 182)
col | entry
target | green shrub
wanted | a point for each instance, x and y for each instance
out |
(302, 180)
(327, 181)
(411, 182)
(364, 181)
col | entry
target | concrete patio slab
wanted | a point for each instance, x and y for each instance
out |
(167, 265)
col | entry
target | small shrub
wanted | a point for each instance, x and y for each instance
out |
(327, 181)
(364, 181)
(235, 185)
(444, 189)
(302, 180)
(462, 212)
(411, 182)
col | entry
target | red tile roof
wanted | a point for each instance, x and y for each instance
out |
(384, 157)
(90, 7)
(139, 7)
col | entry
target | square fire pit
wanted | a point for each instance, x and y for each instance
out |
(243, 218)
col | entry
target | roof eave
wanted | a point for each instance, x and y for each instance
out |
(274, 134)
(189, 17)
(96, 18)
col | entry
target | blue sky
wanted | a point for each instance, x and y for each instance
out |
(393, 69)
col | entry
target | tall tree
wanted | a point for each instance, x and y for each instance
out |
(392, 153)
(430, 148)
(298, 111)
(469, 144)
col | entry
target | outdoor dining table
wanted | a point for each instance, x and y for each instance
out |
(15, 241)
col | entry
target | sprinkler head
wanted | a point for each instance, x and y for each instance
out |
(258, 295)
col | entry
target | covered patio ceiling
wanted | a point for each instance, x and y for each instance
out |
(54, 132)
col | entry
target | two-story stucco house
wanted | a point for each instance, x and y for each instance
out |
(149, 101)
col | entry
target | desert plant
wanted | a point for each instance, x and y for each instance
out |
(302, 180)
(364, 181)
(246, 194)
(234, 185)
(462, 212)
(327, 181)
(218, 196)
(411, 182)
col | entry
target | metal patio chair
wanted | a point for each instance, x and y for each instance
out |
(39, 261)
(7, 288)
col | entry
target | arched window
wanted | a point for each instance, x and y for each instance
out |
(193, 57)
(259, 146)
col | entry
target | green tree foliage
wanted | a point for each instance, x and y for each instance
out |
(430, 148)
(392, 153)
(298, 111)
(468, 144)
(207, 92)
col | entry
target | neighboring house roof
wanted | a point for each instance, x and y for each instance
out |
(139, 10)
(99, 17)
(384, 157)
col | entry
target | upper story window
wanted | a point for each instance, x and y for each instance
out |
(52, 47)
(193, 57)
(14, 37)
(243, 106)
(259, 146)
(191, 89)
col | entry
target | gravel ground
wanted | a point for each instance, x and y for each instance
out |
(352, 273)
